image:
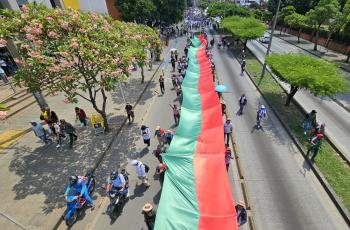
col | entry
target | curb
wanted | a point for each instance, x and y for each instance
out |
(336, 201)
(100, 159)
(302, 110)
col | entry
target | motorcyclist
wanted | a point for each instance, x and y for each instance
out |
(77, 187)
(116, 182)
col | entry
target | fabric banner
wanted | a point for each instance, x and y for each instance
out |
(196, 191)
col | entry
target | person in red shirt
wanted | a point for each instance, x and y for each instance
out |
(81, 115)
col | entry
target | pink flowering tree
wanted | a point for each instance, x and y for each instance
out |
(81, 54)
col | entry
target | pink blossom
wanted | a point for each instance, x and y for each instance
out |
(67, 78)
(83, 31)
(25, 8)
(48, 18)
(38, 42)
(36, 31)
(116, 61)
(3, 42)
(96, 52)
(19, 61)
(24, 46)
(65, 25)
(52, 34)
(66, 64)
(74, 45)
(33, 53)
(30, 37)
(64, 54)
(117, 73)
(24, 16)
(103, 73)
(54, 69)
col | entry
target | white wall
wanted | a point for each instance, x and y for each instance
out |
(98, 6)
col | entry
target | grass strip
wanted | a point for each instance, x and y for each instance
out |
(332, 166)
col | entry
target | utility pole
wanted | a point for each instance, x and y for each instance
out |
(272, 32)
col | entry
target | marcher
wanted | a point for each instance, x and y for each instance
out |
(141, 171)
(228, 157)
(56, 131)
(129, 112)
(261, 114)
(159, 133)
(168, 136)
(176, 113)
(160, 170)
(53, 117)
(173, 80)
(223, 107)
(45, 115)
(309, 121)
(39, 131)
(176, 55)
(227, 131)
(80, 115)
(241, 213)
(158, 153)
(243, 65)
(161, 84)
(315, 147)
(70, 130)
(146, 135)
(242, 102)
(149, 215)
(173, 61)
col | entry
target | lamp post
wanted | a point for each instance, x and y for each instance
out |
(270, 42)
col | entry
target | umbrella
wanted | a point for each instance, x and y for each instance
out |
(221, 88)
(173, 49)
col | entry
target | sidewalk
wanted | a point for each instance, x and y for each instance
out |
(322, 52)
(34, 176)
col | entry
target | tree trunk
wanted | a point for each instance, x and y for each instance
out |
(142, 74)
(245, 45)
(299, 32)
(293, 91)
(40, 100)
(316, 38)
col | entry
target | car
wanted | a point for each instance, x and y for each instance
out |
(265, 39)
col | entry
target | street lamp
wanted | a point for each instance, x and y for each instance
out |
(270, 42)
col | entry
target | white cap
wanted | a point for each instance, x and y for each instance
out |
(262, 106)
(134, 162)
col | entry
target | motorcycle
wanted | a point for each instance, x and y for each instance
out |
(76, 204)
(116, 198)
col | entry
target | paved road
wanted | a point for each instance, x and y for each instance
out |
(337, 119)
(284, 192)
(129, 146)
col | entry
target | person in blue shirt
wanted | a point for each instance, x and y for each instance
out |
(77, 187)
(116, 181)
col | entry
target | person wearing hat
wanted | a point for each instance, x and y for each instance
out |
(241, 213)
(228, 157)
(227, 130)
(315, 147)
(150, 215)
(159, 133)
(39, 131)
(309, 121)
(141, 170)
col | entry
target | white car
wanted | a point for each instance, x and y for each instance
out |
(265, 38)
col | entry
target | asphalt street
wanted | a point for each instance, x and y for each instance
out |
(283, 192)
(336, 118)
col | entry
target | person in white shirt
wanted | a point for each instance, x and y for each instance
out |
(141, 171)
(227, 131)
(146, 135)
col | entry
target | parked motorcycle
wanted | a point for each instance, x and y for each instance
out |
(76, 204)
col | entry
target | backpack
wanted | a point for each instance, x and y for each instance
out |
(146, 168)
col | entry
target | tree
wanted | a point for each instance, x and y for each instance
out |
(285, 12)
(345, 30)
(218, 9)
(297, 21)
(323, 12)
(203, 4)
(305, 72)
(244, 28)
(81, 54)
(335, 25)
(140, 11)
(169, 11)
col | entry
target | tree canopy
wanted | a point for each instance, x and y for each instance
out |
(305, 72)
(81, 54)
(218, 9)
(297, 21)
(151, 11)
(244, 28)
